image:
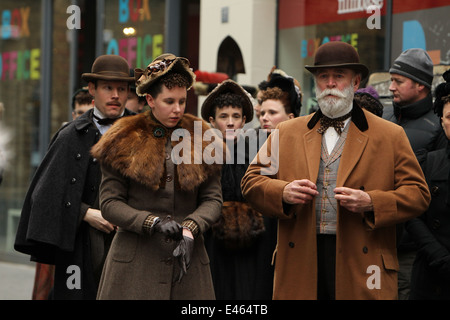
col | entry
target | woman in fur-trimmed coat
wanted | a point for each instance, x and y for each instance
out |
(161, 208)
(139, 179)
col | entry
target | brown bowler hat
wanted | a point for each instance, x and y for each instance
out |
(337, 54)
(109, 67)
(163, 64)
(227, 86)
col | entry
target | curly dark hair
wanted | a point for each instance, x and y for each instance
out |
(170, 80)
(225, 100)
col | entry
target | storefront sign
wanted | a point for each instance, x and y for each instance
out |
(349, 6)
(15, 23)
(20, 65)
(136, 50)
(139, 48)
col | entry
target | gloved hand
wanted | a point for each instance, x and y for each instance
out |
(183, 253)
(169, 227)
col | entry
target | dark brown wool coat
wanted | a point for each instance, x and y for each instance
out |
(140, 178)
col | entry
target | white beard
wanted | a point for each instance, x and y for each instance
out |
(335, 107)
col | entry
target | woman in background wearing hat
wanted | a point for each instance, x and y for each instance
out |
(240, 245)
(280, 100)
(431, 231)
(61, 223)
(161, 205)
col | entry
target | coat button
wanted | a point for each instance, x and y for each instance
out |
(436, 224)
(169, 178)
(167, 155)
(365, 249)
(434, 190)
(78, 156)
(159, 132)
(73, 180)
(68, 204)
(291, 244)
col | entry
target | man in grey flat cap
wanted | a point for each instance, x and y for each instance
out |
(411, 79)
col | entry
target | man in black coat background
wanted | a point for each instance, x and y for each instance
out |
(61, 223)
(411, 80)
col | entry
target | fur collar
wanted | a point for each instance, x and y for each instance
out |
(135, 147)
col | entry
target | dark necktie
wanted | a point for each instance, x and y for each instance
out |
(336, 123)
(106, 121)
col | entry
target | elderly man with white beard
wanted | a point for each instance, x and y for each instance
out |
(343, 180)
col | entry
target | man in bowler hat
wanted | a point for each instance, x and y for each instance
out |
(343, 180)
(61, 223)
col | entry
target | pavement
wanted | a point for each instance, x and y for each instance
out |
(16, 281)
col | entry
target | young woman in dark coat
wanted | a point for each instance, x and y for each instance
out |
(431, 270)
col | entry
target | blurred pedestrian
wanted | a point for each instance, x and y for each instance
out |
(430, 278)
(161, 201)
(411, 80)
(135, 102)
(337, 197)
(61, 223)
(82, 101)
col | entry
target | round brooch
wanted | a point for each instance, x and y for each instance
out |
(159, 132)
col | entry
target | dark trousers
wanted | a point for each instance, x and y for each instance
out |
(326, 266)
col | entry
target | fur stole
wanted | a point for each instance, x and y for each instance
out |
(135, 147)
(239, 226)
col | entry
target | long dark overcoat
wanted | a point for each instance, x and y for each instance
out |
(64, 186)
(431, 231)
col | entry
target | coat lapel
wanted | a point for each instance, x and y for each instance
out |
(354, 146)
(313, 149)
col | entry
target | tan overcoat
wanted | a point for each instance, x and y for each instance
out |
(141, 178)
(377, 158)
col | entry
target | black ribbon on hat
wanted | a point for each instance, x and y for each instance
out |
(336, 123)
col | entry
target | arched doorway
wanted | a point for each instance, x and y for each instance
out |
(229, 59)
